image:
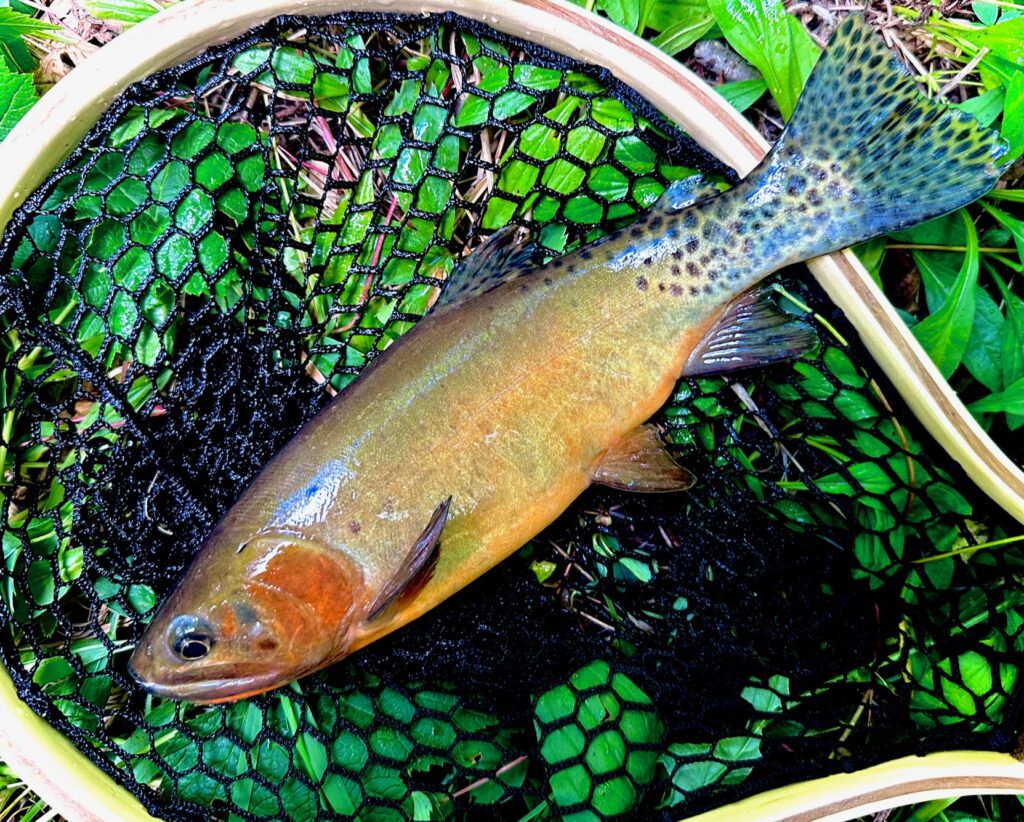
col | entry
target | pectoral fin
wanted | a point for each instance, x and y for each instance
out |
(753, 331)
(639, 462)
(416, 569)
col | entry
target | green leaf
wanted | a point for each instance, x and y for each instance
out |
(983, 356)
(625, 13)
(774, 42)
(986, 12)
(1010, 401)
(1012, 129)
(40, 582)
(52, 669)
(944, 333)
(1011, 224)
(742, 94)
(1012, 341)
(17, 96)
(692, 22)
(1005, 39)
(16, 55)
(128, 12)
(986, 107)
(15, 25)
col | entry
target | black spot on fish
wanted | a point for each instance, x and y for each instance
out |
(648, 260)
(692, 244)
(661, 286)
(689, 221)
(641, 283)
(694, 291)
(548, 281)
(585, 254)
(636, 232)
(355, 527)
(657, 221)
(712, 275)
(677, 254)
(692, 270)
(675, 271)
(267, 644)
(524, 288)
(676, 290)
(571, 268)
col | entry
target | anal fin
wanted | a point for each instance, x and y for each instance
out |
(640, 462)
(753, 331)
(416, 569)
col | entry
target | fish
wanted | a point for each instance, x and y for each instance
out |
(527, 382)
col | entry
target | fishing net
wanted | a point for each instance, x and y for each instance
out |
(235, 240)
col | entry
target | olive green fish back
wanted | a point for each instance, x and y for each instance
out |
(243, 233)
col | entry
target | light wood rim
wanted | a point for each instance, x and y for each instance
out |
(81, 791)
(50, 764)
(845, 796)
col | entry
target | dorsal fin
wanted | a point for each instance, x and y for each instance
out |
(753, 331)
(504, 255)
(416, 569)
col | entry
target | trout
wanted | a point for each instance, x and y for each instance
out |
(539, 380)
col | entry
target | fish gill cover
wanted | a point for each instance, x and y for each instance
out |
(235, 241)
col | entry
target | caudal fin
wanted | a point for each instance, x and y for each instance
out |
(866, 153)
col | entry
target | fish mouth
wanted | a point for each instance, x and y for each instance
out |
(212, 691)
(222, 683)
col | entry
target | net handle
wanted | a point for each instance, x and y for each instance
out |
(78, 789)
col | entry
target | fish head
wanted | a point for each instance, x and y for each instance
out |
(246, 620)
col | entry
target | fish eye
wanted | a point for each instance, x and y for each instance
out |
(190, 638)
(192, 646)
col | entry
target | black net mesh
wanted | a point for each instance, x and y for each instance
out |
(234, 241)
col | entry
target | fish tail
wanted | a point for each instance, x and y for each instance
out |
(864, 154)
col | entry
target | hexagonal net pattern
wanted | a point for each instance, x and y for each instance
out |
(235, 240)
